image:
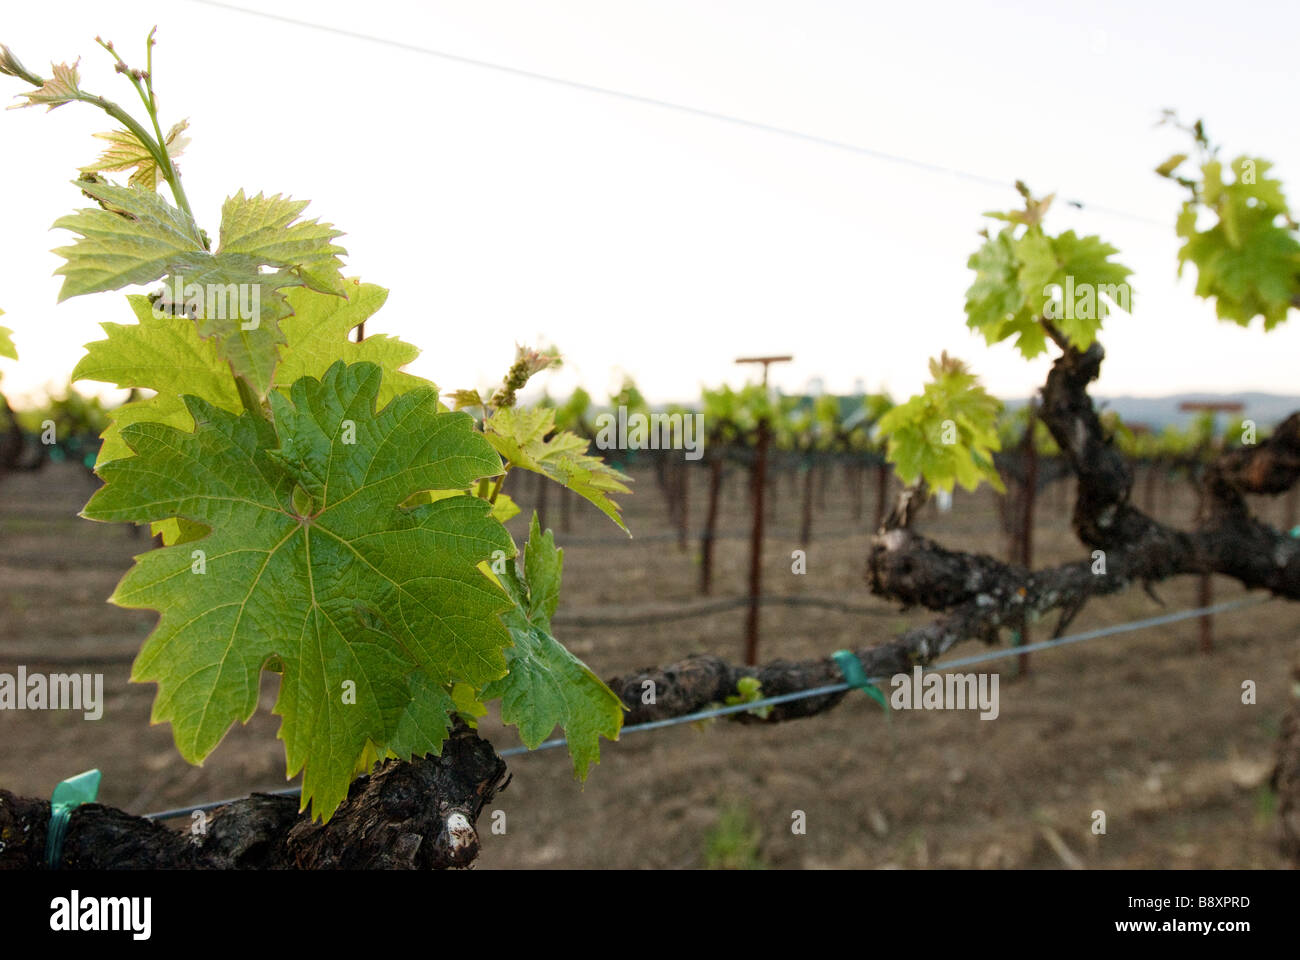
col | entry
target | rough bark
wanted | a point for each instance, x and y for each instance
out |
(1228, 540)
(406, 816)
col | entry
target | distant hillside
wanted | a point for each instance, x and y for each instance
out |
(1266, 409)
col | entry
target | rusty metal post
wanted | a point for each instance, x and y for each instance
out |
(756, 546)
(1205, 585)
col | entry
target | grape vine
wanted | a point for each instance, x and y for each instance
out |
(324, 515)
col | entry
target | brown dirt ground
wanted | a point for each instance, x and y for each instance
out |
(1139, 725)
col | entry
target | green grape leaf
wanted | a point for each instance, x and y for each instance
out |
(547, 685)
(1030, 334)
(165, 353)
(749, 689)
(312, 568)
(1080, 271)
(160, 352)
(1253, 187)
(126, 152)
(424, 722)
(467, 704)
(237, 306)
(463, 399)
(116, 250)
(229, 296)
(63, 87)
(543, 569)
(1259, 275)
(995, 303)
(259, 232)
(504, 508)
(317, 335)
(946, 434)
(263, 230)
(1247, 262)
(521, 437)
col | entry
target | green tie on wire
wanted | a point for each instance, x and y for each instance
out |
(856, 677)
(67, 796)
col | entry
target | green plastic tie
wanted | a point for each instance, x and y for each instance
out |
(851, 667)
(1295, 531)
(67, 796)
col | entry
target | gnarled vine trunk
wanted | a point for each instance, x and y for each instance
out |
(405, 816)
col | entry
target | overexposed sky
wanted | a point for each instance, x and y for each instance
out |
(499, 208)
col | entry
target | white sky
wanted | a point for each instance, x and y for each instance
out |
(499, 208)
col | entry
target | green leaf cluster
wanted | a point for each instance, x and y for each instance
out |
(527, 438)
(137, 237)
(1248, 257)
(325, 518)
(749, 690)
(732, 416)
(546, 685)
(127, 152)
(1026, 279)
(947, 433)
(164, 353)
(313, 566)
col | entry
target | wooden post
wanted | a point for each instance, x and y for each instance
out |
(773, 488)
(1205, 585)
(756, 547)
(756, 536)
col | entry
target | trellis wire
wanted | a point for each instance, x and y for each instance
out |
(822, 691)
(656, 102)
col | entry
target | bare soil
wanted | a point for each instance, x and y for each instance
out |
(1141, 726)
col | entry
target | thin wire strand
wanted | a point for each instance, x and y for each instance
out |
(823, 691)
(923, 165)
